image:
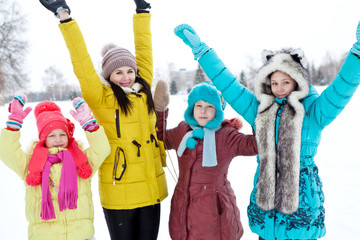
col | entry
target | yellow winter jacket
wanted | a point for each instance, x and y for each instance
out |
(69, 224)
(132, 176)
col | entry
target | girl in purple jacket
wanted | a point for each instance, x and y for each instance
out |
(203, 205)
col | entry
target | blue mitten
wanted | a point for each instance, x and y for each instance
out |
(190, 38)
(356, 47)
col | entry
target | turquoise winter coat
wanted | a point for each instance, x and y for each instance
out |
(320, 110)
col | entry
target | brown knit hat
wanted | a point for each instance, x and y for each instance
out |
(115, 57)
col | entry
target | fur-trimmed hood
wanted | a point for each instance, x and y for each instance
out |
(289, 61)
(279, 142)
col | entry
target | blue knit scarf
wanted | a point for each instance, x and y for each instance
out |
(209, 149)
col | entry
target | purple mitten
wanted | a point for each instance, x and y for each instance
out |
(17, 114)
(83, 113)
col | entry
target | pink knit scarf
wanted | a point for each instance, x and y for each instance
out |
(68, 192)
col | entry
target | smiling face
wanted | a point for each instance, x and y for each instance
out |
(203, 112)
(282, 84)
(57, 138)
(123, 76)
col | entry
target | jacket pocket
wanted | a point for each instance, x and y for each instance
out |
(120, 159)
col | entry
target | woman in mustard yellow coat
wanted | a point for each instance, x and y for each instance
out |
(132, 181)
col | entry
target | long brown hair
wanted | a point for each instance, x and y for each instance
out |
(123, 100)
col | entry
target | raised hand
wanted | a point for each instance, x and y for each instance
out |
(161, 96)
(190, 38)
(356, 47)
(142, 5)
(55, 6)
(83, 113)
(17, 114)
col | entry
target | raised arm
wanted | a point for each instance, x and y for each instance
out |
(337, 95)
(10, 148)
(143, 40)
(239, 97)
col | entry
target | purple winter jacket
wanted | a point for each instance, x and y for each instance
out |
(204, 205)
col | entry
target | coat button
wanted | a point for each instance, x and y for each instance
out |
(158, 200)
(147, 141)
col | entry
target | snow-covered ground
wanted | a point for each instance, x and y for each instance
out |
(338, 160)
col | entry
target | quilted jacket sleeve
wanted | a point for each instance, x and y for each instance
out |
(172, 136)
(90, 83)
(242, 100)
(11, 153)
(143, 46)
(335, 97)
(99, 148)
(242, 144)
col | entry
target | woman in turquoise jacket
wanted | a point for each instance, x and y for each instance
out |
(288, 115)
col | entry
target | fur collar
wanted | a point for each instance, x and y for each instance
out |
(278, 180)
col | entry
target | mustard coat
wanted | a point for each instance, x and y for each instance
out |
(69, 224)
(132, 176)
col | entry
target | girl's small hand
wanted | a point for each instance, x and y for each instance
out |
(17, 114)
(83, 113)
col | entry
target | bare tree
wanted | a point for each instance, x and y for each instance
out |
(12, 48)
(54, 83)
(199, 75)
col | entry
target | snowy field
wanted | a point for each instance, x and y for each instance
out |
(338, 161)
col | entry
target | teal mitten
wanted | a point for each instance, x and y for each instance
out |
(190, 38)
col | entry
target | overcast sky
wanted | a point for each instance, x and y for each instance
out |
(236, 29)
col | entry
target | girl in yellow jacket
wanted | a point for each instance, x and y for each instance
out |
(132, 181)
(57, 173)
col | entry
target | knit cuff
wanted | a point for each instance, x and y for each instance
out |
(13, 124)
(142, 11)
(66, 20)
(11, 129)
(90, 125)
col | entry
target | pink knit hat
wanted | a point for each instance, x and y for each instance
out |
(115, 57)
(48, 118)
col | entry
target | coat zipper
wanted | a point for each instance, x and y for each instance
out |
(117, 122)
